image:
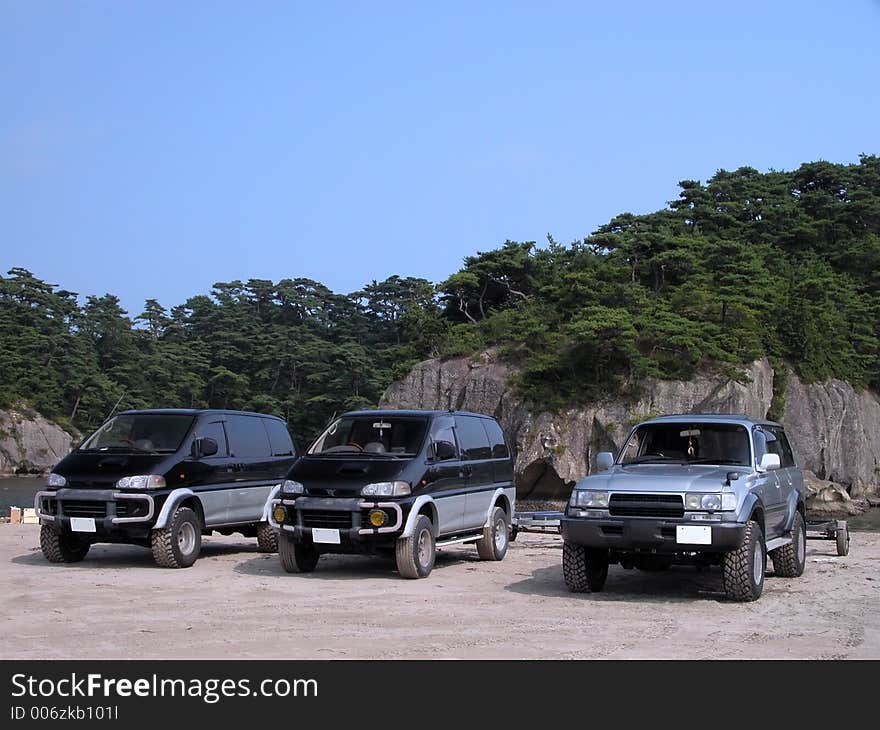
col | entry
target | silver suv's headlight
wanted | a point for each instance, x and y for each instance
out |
(386, 489)
(55, 481)
(589, 498)
(288, 486)
(142, 481)
(710, 502)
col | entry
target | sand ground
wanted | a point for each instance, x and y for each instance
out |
(237, 603)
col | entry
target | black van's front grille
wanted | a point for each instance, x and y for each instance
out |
(326, 518)
(83, 508)
(646, 505)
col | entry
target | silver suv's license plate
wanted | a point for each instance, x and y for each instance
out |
(693, 535)
(321, 534)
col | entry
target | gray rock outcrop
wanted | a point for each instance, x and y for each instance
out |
(834, 429)
(30, 444)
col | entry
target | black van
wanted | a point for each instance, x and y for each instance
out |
(162, 479)
(401, 482)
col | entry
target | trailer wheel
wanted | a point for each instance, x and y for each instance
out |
(842, 538)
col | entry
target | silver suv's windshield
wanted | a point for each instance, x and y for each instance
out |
(688, 443)
(150, 432)
(387, 436)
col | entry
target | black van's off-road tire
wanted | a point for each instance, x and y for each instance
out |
(267, 538)
(415, 554)
(738, 573)
(179, 544)
(496, 537)
(297, 558)
(62, 547)
(789, 560)
(584, 569)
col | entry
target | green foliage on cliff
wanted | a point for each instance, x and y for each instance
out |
(784, 264)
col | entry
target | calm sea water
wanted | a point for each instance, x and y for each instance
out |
(20, 491)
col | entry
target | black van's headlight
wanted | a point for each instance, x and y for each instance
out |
(386, 489)
(291, 487)
(55, 481)
(142, 481)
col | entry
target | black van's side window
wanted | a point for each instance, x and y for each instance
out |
(473, 438)
(442, 429)
(496, 439)
(247, 437)
(279, 438)
(214, 430)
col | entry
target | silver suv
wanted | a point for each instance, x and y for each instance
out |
(697, 489)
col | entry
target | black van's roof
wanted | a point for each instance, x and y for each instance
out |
(197, 412)
(412, 412)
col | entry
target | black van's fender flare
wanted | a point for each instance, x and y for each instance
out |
(172, 502)
(410, 525)
(500, 496)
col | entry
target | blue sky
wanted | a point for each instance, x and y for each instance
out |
(150, 149)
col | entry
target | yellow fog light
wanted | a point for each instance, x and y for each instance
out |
(378, 518)
(279, 514)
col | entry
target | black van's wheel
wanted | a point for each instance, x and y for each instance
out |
(789, 560)
(61, 547)
(297, 558)
(584, 569)
(493, 544)
(415, 554)
(267, 538)
(179, 544)
(743, 569)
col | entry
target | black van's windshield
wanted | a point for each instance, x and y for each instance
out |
(372, 436)
(688, 443)
(150, 432)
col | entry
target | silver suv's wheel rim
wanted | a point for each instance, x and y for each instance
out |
(186, 538)
(424, 548)
(800, 547)
(500, 535)
(758, 564)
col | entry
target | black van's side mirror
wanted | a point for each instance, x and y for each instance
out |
(442, 451)
(203, 446)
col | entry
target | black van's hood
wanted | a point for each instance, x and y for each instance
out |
(344, 477)
(102, 469)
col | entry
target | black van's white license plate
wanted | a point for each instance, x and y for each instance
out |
(82, 524)
(321, 534)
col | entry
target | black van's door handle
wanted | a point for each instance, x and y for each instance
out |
(465, 471)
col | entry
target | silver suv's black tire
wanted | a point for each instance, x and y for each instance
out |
(62, 547)
(267, 538)
(179, 544)
(496, 537)
(743, 569)
(584, 569)
(297, 558)
(415, 554)
(789, 560)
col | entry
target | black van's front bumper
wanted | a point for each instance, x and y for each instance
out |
(320, 521)
(112, 511)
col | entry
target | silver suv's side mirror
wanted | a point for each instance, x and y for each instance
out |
(769, 462)
(604, 460)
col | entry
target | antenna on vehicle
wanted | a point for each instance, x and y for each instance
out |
(115, 407)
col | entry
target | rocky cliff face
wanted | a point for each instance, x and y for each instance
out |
(29, 444)
(835, 431)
